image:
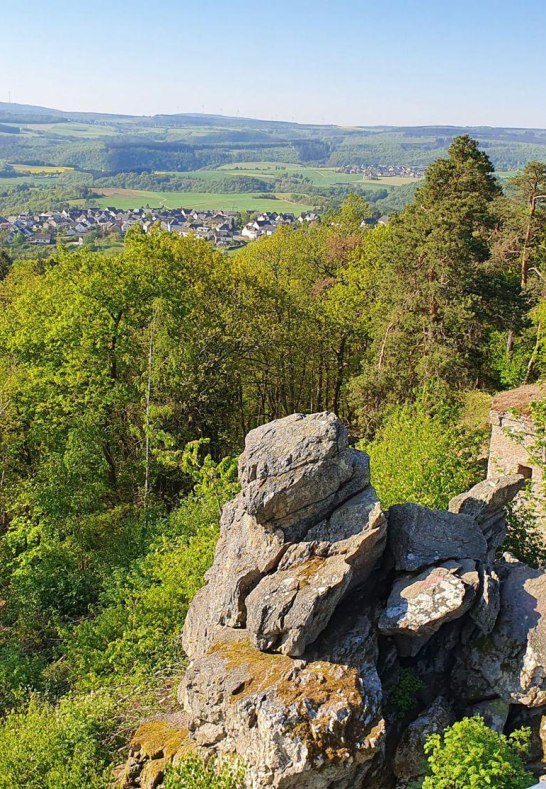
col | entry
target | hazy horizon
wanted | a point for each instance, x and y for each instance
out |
(69, 110)
(352, 64)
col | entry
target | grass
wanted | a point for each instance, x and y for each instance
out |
(229, 201)
(319, 176)
(40, 168)
(85, 130)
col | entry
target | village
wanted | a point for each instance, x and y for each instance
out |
(225, 229)
(377, 171)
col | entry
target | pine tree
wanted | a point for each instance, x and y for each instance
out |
(433, 312)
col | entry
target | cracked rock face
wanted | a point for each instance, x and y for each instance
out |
(419, 537)
(297, 470)
(410, 760)
(317, 604)
(301, 723)
(511, 661)
(288, 609)
(486, 502)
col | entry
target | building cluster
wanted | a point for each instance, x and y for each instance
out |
(222, 228)
(377, 171)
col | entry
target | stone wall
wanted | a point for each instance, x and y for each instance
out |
(513, 437)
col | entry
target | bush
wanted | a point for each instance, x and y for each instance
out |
(138, 632)
(470, 755)
(403, 698)
(47, 747)
(193, 773)
(525, 538)
(423, 454)
(136, 628)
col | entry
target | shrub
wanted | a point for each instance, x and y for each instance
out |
(193, 773)
(48, 747)
(470, 755)
(403, 698)
(137, 624)
(423, 454)
(525, 538)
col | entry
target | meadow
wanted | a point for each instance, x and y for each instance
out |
(228, 201)
(319, 176)
(41, 169)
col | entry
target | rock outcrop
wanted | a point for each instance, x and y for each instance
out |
(318, 604)
(410, 758)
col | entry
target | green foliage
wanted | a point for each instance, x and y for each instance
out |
(304, 298)
(47, 747)
(435, 294)
(193, 773)
(525, 537)
(510, 356)
(138, 619)
(470, 755)
(422, 453)
(127, 377)
(403, 697)
(130, 641)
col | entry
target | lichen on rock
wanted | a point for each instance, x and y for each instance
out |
(318, 603)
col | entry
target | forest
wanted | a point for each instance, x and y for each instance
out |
(130, 380)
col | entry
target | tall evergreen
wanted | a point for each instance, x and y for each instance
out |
(432, 309)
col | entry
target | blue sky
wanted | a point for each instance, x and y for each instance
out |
(412, 62)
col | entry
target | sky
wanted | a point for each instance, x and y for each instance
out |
(349, 62)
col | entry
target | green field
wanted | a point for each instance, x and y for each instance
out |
(319, 176)
(84, 130)
(41, 169)
(229, 201)
(27, 179)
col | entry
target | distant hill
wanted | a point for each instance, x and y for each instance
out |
(111, 143)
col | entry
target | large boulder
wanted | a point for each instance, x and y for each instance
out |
(289, 608)
(420, 605)
(295, 723)
(285, 659)
(297, 470)
(420, 537)
(486, 503)
(244, 554)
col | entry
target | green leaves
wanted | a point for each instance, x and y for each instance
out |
(423, 454)
(470, 755)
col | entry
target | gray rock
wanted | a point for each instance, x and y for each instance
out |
(488, 496)
(493, 711)
(410, 759)
(295, 471)
(294, 723)
(511, 661)
(348, 519)
(486, 609)
(419, 605)
(282, 640)
(290, 607)
(244, 554)
(420, 537)
(486, 503)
